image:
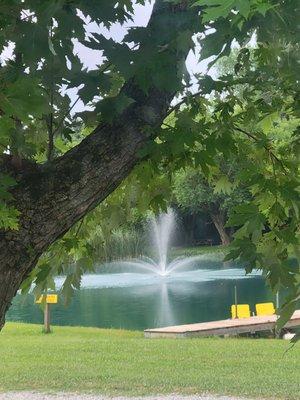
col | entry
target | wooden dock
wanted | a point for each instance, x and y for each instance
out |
(223, 327)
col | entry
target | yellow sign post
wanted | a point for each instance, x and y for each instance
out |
(47, 299)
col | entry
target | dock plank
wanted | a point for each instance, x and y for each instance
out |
(223, 327)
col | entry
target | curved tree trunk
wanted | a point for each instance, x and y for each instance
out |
(219, 222)
(54, 196)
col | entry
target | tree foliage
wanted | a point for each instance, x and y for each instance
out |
(196, 193)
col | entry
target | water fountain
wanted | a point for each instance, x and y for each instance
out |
(162, 229)
(200, 268)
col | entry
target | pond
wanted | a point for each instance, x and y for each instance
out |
(118, 298)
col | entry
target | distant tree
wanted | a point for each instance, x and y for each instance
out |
(196, 194)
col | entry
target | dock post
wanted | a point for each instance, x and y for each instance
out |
(277, 334)
(47, 318)
(236, 301)
(277, 300)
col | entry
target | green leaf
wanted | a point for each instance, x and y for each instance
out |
(223, 185)
(263, 7)
(9, 217)
(112, 107)
(285, 314)
(243, 213)
(51, 46)
(221, 9)
(243, 6)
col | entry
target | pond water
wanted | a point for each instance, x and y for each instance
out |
(118, 298)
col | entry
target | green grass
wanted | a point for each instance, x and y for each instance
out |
(123, 362)
(197, 250)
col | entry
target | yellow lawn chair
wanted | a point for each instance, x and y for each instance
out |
(243, 311)
(263, 309)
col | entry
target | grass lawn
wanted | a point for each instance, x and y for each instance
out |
(123, 362)
(197, 251)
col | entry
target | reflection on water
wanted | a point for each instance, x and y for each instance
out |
(138, 301)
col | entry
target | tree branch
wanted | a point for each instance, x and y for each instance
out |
(52, 197)
(60, 124)
(184, 100)
(272, 155)
(51, 117)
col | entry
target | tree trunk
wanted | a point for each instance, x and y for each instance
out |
(54, 196)
(219, 222)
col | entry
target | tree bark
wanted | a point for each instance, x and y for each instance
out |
(219, 222)
(54, 196)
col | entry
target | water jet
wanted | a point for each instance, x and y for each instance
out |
(162, 229)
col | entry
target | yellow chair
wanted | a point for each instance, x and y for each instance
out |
(243, 311)
(264, 309)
